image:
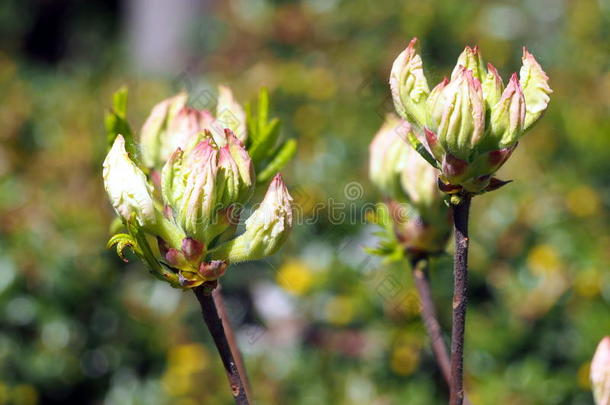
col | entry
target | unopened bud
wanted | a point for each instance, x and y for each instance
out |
(600, 373)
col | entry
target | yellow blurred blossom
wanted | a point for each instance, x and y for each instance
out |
(323, 85)
(588, 283)
(340, 310)
(182, 362)
(543, 259)
(405, 359)
(3, 394)
(176, 383)
(309, 120)
(583, 376)
(295, 276)
(24, 394)
(188, 358)
(583, 201)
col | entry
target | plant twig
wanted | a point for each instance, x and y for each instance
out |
(226, 323)
(430, 317)
(215, 326)
(461, 212)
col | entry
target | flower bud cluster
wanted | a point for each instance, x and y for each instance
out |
(471, 123)
(182, 206)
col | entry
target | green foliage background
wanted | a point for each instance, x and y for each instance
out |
(320, 323)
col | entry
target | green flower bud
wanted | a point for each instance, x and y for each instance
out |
(492, 87)
(419, 181)
(229, 114)
(266, 229)
(387, 156)
(600, 373)
(189, 188)
(184, 130)
(235, 172)
(418, 234)
(471, 124)
(153, 134)
(535, 84)
(206, 174)
(470, 59)
(409, 86)
(460, 114)
(127, 186)
(508, 116)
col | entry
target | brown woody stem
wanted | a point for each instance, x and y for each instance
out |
(215, 326)
(461, 212)
(430, 318)
(419, 266)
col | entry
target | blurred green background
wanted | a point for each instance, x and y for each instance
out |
(321, 322)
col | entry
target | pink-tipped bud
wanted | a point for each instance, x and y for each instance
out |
(508, 115)
(536, 89)
(266, 229)
(470, 59)
(600, 373)
(462, 115)
(192, 249)
(492, 87)
(212, 270)
(409, 85)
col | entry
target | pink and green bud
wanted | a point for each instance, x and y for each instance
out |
(387, 155)
(421, 234)
(493, 87)
(461, 113)
(153, 136)
(419, 181)
(409, 86)
(128, 189)
(206, 172)
(184, 130)
(470, 59)
(229, 115)
(266, 229)
(470, 116)
(508, 116)
(600, 373)
(236, 172)
(536, 90)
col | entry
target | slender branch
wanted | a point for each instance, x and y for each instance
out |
(430, 317)
(226, 323)
(461, 212)
(215, 326)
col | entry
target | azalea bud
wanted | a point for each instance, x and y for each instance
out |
(409, 86)
(419, 234)
(229, 114)
(387, 155)
(419, 180)
(492, 87)
(470, 59)
(535, 84)
(471, 123)
(189, 186)
(127, 187)
(212, 270)
(235, 172)
(600, 373)
(266, 229)
(205, 174)
(461, 114)
(154, 130)
(184, 129)
(508, 116)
